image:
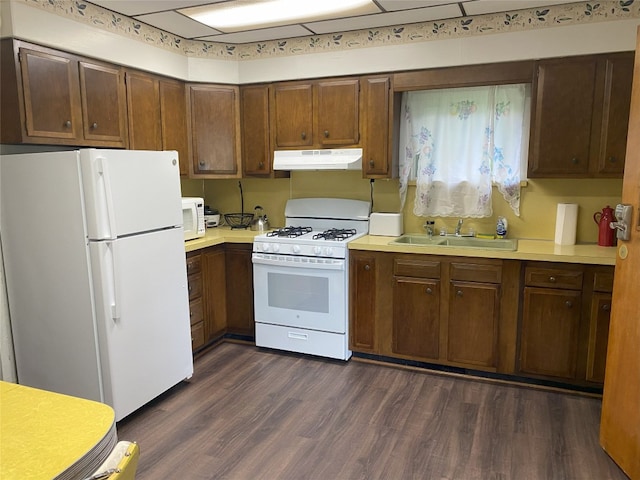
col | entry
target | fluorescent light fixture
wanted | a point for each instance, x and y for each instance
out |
(236, 16)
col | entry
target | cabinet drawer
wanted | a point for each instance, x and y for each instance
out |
(474, 272)
(196, 311)
(195, 286)
(193, 264)
(603, 282)
(416, 268)
(553, 278)
(197, 335)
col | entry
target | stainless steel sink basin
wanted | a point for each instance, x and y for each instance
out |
(508, 244)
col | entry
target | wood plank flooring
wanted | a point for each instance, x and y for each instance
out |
(250, 413)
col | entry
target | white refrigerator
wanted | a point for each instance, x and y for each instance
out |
(96, 277)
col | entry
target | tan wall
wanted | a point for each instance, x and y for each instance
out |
(538, 203)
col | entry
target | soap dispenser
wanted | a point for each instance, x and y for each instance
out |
(501, 227)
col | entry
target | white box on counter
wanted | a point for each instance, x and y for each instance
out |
(386, 224)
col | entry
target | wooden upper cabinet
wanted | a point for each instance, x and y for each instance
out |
(173, 119)
(254, 115)
(377, 119)
(214, 126)
(318, 114)
(580, 116)
(103, 92)
(143, 102)
(53, 97)
(338, 112)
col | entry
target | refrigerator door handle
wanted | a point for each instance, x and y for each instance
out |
(103, 171)
(111, 280)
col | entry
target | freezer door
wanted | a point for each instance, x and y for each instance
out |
(130, 191)
(143, 316)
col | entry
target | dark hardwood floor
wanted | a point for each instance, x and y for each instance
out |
(253, 414)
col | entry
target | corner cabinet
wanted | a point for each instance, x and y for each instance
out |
(580, 114)
(53, 97)
(213, 113)
(319, 114)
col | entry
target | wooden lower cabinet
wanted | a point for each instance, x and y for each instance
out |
(239, 288)
(196, 310)
(215, 292)
(362, 282)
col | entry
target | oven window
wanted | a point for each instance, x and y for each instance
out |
(298, 292)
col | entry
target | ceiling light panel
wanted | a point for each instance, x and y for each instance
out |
(241, 15)
(266, 34)
(385, 19)
(393, 5)
(139, 7)
(177, 24)
(480, 7)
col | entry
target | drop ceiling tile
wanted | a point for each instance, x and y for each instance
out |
(385, 19)
(393, 5)
(479, 7)
(177, 24)
(275, 33)
(139, 7)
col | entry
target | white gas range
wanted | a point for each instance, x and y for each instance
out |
(300, 273)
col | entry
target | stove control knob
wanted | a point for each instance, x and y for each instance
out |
(317, 250)
(276, 247)
(265, 247)
(328, 251)
(296, 249)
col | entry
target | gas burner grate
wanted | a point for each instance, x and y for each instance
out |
(337, 234)
(290, 232)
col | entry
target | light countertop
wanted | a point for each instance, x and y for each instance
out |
(542, 250)
(217, 235)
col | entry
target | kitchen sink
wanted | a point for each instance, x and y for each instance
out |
(459, 242)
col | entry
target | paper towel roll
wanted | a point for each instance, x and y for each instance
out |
(566, 223)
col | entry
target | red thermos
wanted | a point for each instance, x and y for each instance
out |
(606, 235)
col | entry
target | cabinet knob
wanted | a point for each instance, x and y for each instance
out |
(575, 160)
(429, 291)
(326, 134)
(190, 313)
(67, 123)
(371, 163)
(552, 279)
(94, 125)
(189, 288)
(606, 307)
(613, 159)
(201, 163)
(304, 135)
(568, 303)
(459, 293)
(367, 268)
(260, 164)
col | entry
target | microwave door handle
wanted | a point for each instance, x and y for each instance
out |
(103, 170)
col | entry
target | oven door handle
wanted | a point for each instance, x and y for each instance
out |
(298, 262)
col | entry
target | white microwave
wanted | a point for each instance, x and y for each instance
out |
(193, 217)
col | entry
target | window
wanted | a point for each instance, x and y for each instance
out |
(456, 143)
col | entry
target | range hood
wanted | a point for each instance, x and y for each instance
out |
(326, 159)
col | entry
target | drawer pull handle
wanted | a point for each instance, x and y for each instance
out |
(298, 336)
(304, 135)
(606, 307)
(429, 291)
(67, 123)
(326, 134)
(459, 293)
(552, 279)
(367, 268)
(569, 303)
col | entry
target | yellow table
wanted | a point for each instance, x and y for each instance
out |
(45, 435)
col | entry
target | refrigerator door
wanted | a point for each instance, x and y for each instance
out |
(143, 316)
(130, 191)
(48, 276)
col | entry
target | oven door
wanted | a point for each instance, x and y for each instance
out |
(300, 292)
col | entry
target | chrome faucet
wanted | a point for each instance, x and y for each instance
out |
(458, 227)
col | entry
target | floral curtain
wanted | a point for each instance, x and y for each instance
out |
(457, 142)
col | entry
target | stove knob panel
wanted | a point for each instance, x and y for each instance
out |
(317, 250)
(328, 251)
(276, 247)
(264, 247)
(296, 248)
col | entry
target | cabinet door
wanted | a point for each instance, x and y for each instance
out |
(256, 154)
(549, 338)
(598, 336)
(214, 121)
(562, 117)
(51, 95)
(472, 333)
(103, 103)
(376, 120)
(292, 115)
(362, 331)
(338, 112)
(143, 109)
(416, 317)
(239, 271)
(173, 115)
(615, 114)
(215, 293)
